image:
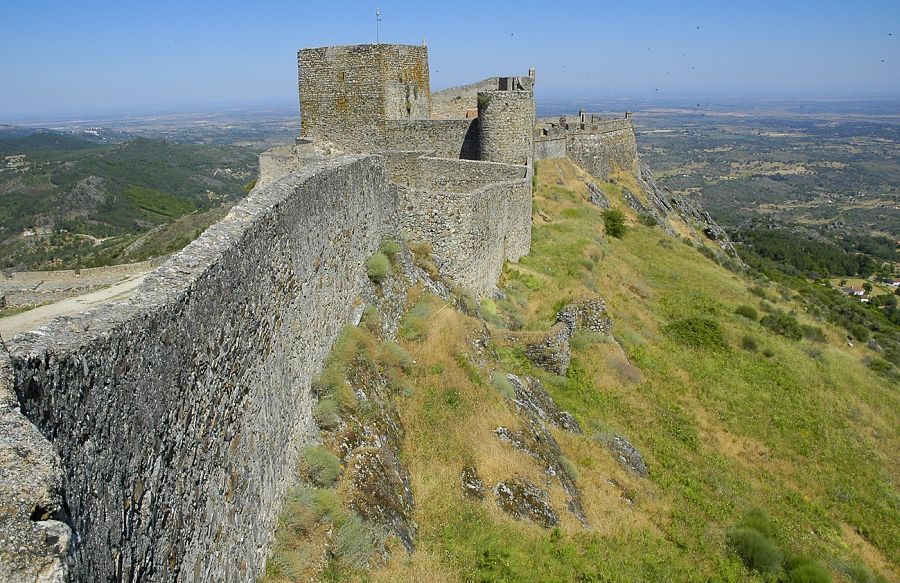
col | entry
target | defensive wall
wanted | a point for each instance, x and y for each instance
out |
(179, 414)
(171, 422)
(596, 143)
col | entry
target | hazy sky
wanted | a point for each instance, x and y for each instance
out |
(74, 56)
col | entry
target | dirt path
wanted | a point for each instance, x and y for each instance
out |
(12, 325)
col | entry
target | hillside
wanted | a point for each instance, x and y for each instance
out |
(701, 445)
(66, 202)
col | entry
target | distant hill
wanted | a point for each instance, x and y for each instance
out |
(68, 202)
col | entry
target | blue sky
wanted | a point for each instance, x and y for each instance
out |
(68, 56)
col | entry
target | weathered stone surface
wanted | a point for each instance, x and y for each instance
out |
(34, 537)
(520, 498)
(472, 484)
(380, 490)
(179, 413)
(628, 455)
(597, 196)
(532, 398)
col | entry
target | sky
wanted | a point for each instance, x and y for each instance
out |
(69, 57)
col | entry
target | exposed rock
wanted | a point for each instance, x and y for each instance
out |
(532, 398)
(34, 534)
(597, 197)
(628, 455)
(665, 203)
(472, 484)
(380, 489)
(524, 500)
(873, 345)
(538, 442)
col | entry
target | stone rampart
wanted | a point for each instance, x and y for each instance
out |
(179, 414)
(472, 233)
(457, 102)
(445, 175)
(602, 153)
(549, 148)
(448, 138)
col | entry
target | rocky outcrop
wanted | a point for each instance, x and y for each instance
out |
(369, 443)
(521, 498)
(34, 531)
(627, 455)
(532, 398)
(597, 197)
(666, 203)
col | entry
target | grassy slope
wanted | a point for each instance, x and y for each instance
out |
(809, 434)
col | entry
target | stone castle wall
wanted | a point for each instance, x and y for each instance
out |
(472, 233)
(347, 91)
(506, 126)
(449, 138)
(457, 102)
(599, 147)
(179, 414)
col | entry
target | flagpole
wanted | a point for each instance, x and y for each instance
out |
(377, 20)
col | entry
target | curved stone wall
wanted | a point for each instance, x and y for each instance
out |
(178, 415)
(601, 153)
(506, 126)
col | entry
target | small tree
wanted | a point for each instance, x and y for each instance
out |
(614, 223)
(867, 287)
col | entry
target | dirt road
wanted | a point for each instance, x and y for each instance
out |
(12, 325)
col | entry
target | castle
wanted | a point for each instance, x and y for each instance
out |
(153, 440)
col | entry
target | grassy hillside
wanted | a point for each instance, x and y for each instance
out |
(745, 431)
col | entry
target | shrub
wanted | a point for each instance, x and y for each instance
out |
(757, 551)
(395, 355)
(354, 544)
(813, 333)
(808, 573)
(746, 311)
(569, 468)
(783, 324)
(768, 353)
(422, 257)
(371, 320)
(749, 343)
(378, 267)
(415, 323)
(647, 220)
(858, 331)
(391, 249)
(758, 291)
(326, 414)
(759, 521)
(502, 384)
(697, 333)
(319, 466)
(614, 223)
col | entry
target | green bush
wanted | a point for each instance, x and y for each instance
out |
(808, 573)
(757, 551)
(813, 333)
(746, 311)
(319, 466)
(396, 355)
(759, 521)
(647, 220)
(415, 323)
(371, 320)
(378, 267)
(326, 414)
(768, 353)
(391, 249)
(697, 333)
(354, 544)
(858, 331)
(783, 324)
(749, 343)
(614, 223)
(502, 384)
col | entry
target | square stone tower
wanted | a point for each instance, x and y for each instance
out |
(347, 93)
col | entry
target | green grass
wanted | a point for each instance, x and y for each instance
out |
(729, 416)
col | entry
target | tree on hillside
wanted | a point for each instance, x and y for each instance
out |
(614, 223)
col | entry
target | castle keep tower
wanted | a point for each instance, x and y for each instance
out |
(347, 93)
